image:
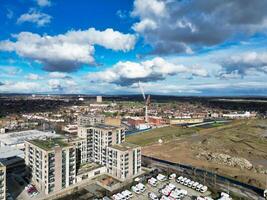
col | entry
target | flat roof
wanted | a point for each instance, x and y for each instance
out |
(14, 138)
(49, 143)
(8, 152)
(105, 126)
(124, 146)
(84, 168)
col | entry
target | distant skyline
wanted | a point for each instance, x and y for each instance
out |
(187, 47)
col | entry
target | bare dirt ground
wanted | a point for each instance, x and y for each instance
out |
(240, 139)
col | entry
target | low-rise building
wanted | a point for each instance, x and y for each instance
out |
(52, 163)
(90, 120)
(181, 121)
(13, 159)
(17, 139)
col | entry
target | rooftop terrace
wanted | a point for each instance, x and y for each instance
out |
(124, 146)
(50, 143)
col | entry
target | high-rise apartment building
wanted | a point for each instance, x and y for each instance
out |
(124, 160)
(52, 163)
(98, 138)
(56, 163)
(99, 99)
(2, 182)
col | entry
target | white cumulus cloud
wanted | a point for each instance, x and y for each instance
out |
(36, 17)
(33, 77)
(67, 52)
(128, 73)
(43, 3)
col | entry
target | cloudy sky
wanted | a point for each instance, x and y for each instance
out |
(185, 47)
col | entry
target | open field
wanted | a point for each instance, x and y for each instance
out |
(237, 142)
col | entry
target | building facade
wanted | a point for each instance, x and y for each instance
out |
(124, 160)
(52, 163)
(98, 138)
(2, 182)
(57, 163)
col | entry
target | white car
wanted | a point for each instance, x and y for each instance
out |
(141, 187)
(116, 197)
(199, 187)
(203, 189)
(152, 196)
(176, 194)
(136, 190)
(127, 194)
(161, 177)
(187, 182)
(170, 186)
(183, 180)
(165, 191)
(225, 196)
(153, 182)
(121, 196)
(194, 186)
(179, 179)
(164, 198)
(172, 176)
(190, 184)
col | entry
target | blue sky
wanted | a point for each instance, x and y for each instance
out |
(196, 47)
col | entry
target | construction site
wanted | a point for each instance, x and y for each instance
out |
(236, 150)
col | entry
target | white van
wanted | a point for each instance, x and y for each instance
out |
(187, 182)
(183, 180)
(194, 186)
(190, 184)
(178, 180)
(203, 189)
(199, 187)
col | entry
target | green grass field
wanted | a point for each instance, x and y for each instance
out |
(165, 133)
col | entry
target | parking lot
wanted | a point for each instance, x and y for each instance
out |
(160, 184)
(155, 190)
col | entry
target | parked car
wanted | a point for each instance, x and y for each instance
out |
(183, 180)
(178, 180)
(161, 177)
(187, 182)
(152, 182)
(190, 184)
(115, 197)
(203, 189)
(141, 187)
(198, 188)
(172, 176)
(152, 196)
(136, 190)
(194, 186)
(127, 194)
